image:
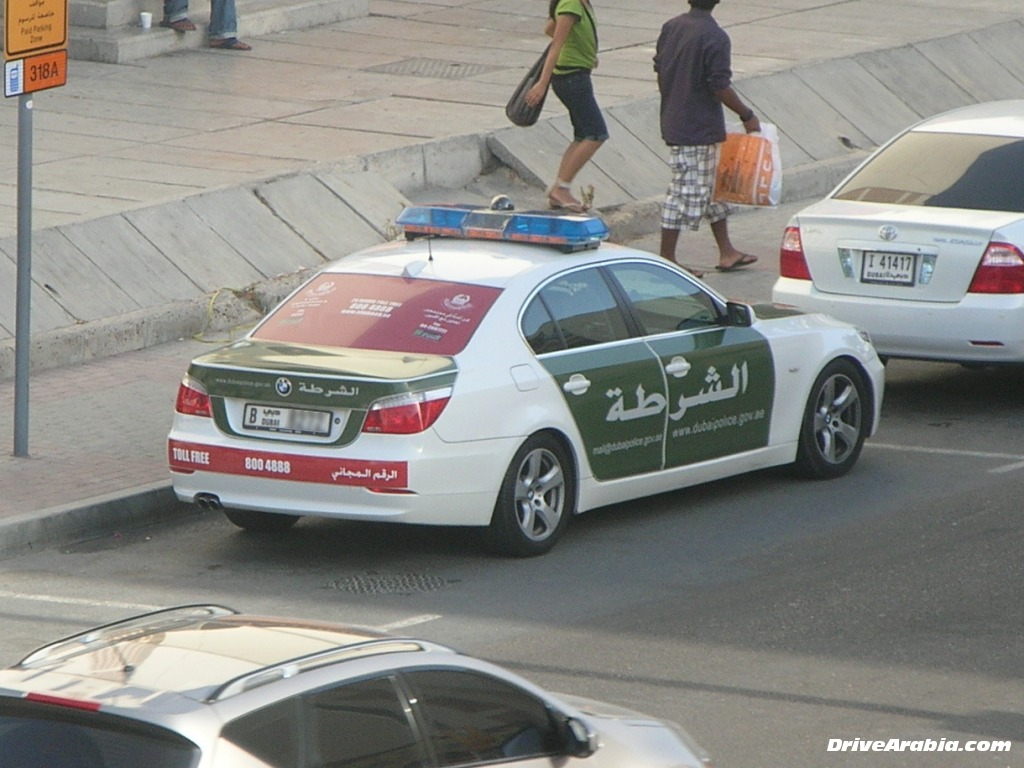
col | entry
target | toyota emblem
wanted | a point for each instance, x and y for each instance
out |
(888, 232)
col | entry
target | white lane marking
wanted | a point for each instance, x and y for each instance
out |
(78, 601)
(1016, 458)
(410, 622)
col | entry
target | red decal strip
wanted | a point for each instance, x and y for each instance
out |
(189, 457)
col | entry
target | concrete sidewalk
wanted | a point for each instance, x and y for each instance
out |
(181, 194)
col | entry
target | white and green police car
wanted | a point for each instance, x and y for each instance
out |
(507, 370)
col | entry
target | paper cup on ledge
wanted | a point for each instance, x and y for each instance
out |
(145, 19)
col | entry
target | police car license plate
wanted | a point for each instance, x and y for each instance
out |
(888, 268)
(292, 421)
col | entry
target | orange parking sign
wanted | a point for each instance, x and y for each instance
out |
(34, 26)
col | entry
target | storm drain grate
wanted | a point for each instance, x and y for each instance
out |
(389, 583)
(433, 68)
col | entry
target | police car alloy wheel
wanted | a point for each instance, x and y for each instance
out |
(832, 434)
(537, 498)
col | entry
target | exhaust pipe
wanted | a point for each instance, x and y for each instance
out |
(209, 501)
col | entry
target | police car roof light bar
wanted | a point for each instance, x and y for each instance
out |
(573, 232)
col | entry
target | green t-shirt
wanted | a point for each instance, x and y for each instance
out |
(580, 49)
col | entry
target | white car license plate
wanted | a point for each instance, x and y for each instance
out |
(888, 268)
(292, 421)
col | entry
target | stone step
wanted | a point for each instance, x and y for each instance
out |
(109, 32)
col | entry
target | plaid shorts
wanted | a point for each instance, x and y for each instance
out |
(688, 198)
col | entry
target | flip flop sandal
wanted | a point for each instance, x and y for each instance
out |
(744, 261)
(181, 25)
(230, 44)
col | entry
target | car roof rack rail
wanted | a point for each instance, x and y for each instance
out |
(292, 667)
(126, 629)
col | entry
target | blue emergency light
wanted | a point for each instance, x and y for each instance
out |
(567, 232)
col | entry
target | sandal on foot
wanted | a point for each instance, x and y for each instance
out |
(559, 197)
(181, 25)
(558, 205)
(230, 44)
(743, 261)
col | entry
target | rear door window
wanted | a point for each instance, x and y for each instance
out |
(358, 724)
(381, 312)
(573, 311)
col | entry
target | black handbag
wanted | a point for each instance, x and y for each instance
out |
(517, 110)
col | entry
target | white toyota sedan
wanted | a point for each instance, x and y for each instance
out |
(923, 244)
(508, 370)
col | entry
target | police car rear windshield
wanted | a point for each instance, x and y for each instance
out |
(379, 312)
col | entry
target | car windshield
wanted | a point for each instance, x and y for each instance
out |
(380, 312)
(946, 170)
(44, 741)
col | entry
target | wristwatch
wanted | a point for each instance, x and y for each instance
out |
(746, 117)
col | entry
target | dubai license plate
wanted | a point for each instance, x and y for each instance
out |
(888, 268)
(290, 421)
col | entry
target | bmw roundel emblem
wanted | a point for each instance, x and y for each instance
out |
(888, 232)
(283, 387)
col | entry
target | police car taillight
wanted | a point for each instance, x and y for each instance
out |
(567, 232)
(406, 414)
(192, 398)
(61, 701)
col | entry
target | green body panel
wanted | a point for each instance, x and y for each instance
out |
(622, 376)
(638, 417)
(723, 404)
(774, 311)
(317, 378)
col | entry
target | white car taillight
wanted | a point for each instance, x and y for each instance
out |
(192, 398)
(1001, 270)
(792, 262)
(406, 414)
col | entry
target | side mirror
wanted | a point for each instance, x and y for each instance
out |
(739, 315)
(580, 741)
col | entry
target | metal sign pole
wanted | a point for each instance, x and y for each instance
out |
(22, 337)
(35, 42)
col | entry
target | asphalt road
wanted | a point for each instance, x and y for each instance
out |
(766, 614)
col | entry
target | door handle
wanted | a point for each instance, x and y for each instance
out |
(577, 384)
(678, 367)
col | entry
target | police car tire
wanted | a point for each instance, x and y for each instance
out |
(837, 410)
(540, 456)
(260, 522)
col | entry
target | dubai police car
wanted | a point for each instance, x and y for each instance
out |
(507, 370)
(201, 686)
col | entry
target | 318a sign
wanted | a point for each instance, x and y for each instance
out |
(35, 45)
(35, 73)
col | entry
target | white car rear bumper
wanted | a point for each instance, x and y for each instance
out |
(980, 328)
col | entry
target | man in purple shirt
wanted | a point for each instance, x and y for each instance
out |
(693, 61)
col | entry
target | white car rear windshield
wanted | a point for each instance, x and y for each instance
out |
(947, 170)
(379, 312)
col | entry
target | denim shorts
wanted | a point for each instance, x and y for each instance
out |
(576, 92)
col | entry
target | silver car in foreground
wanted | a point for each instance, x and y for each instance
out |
(201, 685)
(923, 244)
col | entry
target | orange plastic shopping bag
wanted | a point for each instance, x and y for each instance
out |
(749, 169)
